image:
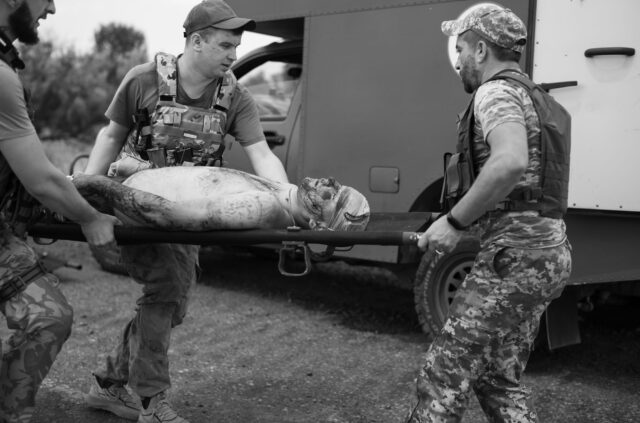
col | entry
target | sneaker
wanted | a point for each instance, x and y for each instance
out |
(115, 399)
(159, 411)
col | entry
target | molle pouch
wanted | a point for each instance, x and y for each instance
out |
(157, 156)
(20, 209)
(142, 122)
(171, 114)
(457, 180)
(179, 156)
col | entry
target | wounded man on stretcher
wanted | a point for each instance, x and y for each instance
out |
(210, 198)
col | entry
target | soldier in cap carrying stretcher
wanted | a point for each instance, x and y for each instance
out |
(172, 111)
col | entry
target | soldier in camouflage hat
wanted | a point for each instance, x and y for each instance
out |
(35, 309)
(525, 260)
(498, 25)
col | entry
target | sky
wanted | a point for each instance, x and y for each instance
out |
(75, 22)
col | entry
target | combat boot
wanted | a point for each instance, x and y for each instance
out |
(158, 410)
(115, 399)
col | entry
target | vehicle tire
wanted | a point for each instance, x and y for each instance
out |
(436, 283)
(109, 259)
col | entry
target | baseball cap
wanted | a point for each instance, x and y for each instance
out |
(498, 25)
(216, 14)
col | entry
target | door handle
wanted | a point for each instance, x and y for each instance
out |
(553, 85)
(609, 51)
(273, 138)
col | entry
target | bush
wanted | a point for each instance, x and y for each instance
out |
(69, 91)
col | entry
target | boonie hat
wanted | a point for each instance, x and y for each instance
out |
(216, 14)
(499, 25)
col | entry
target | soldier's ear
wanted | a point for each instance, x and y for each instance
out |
(482, 51)
(196, 40)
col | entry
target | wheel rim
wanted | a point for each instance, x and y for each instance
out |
(452, 275)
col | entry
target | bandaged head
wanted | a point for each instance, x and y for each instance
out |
(351, 212)
(333, 206)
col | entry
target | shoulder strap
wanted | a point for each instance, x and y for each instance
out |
(8, 52)
(224, 92)
(167, 76)
(513, 75)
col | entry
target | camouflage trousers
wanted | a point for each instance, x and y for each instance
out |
(40, 318)
(167, 272)
(486, 341)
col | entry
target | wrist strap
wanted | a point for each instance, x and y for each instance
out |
(455, 223)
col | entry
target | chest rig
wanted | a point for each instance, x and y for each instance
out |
(550, 199)
(177, 134)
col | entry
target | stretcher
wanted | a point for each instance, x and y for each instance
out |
(383, 229)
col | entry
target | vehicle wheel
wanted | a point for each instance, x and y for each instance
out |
(436, 283)
(109, 259)
(78, 164)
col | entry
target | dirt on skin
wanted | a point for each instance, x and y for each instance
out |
(341, 345)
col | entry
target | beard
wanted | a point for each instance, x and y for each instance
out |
(469, 76)
(21, 24)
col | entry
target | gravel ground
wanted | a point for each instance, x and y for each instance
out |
(339, 345)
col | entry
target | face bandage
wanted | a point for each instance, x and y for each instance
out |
(352, 211)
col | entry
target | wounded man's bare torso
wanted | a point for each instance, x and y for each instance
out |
(199, 183)
(192, 198)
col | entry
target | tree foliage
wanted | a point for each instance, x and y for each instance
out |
(118, 39)
(71, 91)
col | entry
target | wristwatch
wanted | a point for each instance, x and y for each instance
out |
(455, 223)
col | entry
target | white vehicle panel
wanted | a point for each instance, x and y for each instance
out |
(605, 105)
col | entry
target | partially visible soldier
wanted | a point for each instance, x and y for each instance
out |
(34, 307)
(519, 155)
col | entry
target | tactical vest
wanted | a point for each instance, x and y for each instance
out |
(550, 199)
(176, 134)
(17, 207)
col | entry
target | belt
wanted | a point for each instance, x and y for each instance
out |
(18, 283)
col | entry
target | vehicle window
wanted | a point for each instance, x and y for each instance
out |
(273, 85)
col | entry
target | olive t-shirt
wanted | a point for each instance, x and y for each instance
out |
(139, 89)
(14, 117)
(15, 254)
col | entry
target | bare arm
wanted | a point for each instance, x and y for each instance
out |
(108, 144)
(50, 187)
(500, 174)
(265, 163)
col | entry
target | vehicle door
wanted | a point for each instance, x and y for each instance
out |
(272, 74)
(597, 51)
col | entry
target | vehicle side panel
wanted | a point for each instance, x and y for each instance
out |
(381, 95)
